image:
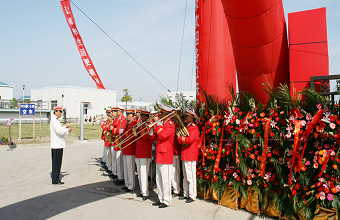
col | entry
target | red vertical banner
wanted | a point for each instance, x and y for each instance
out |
(198, 19)
(79, 42)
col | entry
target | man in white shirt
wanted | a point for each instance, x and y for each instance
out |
(57, 143)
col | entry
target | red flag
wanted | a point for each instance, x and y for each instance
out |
(79, 42)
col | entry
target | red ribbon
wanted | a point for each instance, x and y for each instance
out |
(307, 132)
(296, 144)
(218, 158)
(265, 147)
(241, 124)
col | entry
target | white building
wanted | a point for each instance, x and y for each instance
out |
(188, 95)
(137, 104)
(70, 97)
(6, 91)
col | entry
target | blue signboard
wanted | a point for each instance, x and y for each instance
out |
(27, 109)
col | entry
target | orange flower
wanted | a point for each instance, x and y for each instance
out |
(303, 168)
(335, 166)
(252, 156)
(262, 114)
(334, 190)
(315, 135)
(317, 196)
(252, 131)
(321, 152)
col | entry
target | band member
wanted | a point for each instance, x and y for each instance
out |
(103, 136)
(165, 131)
(176, 169)
(108, 160)
(129, 149)
(114, 111)
(189, 157)
(138, 118)
(143, 156)
(117, 131)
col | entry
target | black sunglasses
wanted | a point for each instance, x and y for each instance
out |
(60, 111)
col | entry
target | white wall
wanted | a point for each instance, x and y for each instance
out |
(97, 99)
(6, 92)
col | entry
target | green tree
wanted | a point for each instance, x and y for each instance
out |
(126, 98)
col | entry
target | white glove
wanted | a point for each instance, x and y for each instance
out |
(151, 132)
(159, 123)
(121, 131)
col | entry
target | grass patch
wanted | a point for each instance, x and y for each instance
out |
(90, 132)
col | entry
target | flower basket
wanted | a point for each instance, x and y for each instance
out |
(230, 198)
(325, 214)
(251, 202)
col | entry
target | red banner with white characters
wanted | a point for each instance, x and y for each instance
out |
(198, 14)
(79, 42)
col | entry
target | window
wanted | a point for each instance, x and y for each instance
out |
(85, 108)
(54, 103)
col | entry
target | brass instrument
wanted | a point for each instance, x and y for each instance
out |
(182, 132)
(135, 129)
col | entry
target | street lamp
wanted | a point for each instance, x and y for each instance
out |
(23, 93)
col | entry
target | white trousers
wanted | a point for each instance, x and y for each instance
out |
(108, 158)
(113, 156)
(129, 171)
(104, 153)
(143, 165)
(176, 170)
(119, 164)
(163, 181)
(189, 180)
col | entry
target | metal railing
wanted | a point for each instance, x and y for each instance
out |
(325, 85)
(15, 104)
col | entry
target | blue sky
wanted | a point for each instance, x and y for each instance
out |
(37, 48)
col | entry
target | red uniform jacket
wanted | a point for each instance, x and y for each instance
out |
(144, 145)
(177, 146)
(165, 143)
(105, 127)
(190, 144)
(131, 148)
(103, 136)
(119, 124)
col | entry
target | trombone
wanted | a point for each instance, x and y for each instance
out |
(135, 128)
(182, 132)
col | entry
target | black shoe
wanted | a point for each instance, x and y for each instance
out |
(182, 198)
(145, 198)
(119, 183)
(102, 162)
(112, 176)
(174, 194)
(157, 203)
(162, 205)
(124, 187)
(140, 195)
(60, 182)
(128, 190)
(116, 181)
(189, 200)
(108, 172)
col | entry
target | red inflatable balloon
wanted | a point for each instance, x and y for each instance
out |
(215, 64)
(259, 39)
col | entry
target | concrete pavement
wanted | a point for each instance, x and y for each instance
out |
(26, 191)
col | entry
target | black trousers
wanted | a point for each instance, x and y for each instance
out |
(57, 157)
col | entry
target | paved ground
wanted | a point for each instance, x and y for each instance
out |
(26, 191)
